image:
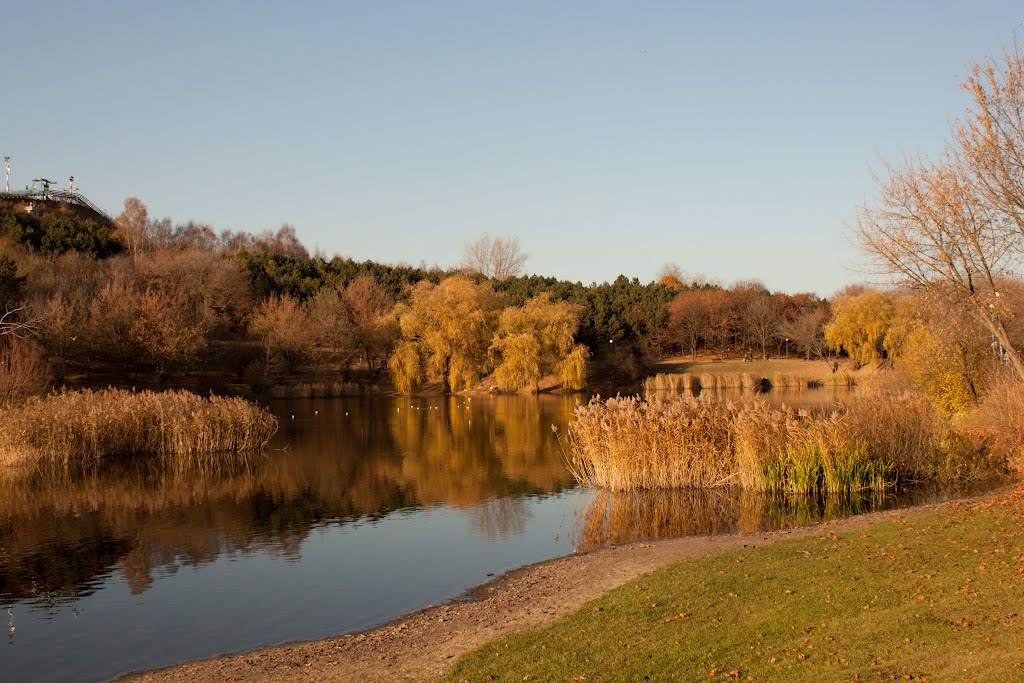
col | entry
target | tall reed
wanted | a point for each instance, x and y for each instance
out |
(871, 443)
(626, 443)
(82, 428)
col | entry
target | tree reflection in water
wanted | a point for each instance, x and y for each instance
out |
(340, 462)
(336, 462)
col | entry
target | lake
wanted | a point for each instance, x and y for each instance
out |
(362, 510)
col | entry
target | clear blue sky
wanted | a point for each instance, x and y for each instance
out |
(733, 138)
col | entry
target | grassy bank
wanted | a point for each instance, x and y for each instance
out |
(83, 428)
(875, 440)
(932, 598)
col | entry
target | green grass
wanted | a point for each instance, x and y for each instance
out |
(935, 598)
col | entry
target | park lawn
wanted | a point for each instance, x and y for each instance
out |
(938, 597)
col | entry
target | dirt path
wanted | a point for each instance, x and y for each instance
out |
(421, 646)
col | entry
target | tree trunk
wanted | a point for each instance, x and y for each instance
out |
(997, 329)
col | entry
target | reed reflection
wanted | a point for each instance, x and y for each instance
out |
(614, 518)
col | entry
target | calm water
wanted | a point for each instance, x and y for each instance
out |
(363, 510)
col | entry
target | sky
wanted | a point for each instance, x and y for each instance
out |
(735, 139)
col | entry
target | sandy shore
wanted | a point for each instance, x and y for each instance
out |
(422, 645)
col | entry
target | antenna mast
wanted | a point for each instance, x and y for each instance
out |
(7, 174)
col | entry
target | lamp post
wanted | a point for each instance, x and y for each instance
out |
(787, 348)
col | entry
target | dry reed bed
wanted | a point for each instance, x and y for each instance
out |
(82, 428)
(681, 382)
(875, 439)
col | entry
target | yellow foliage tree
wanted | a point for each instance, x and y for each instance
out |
(943, 351)
(446, 331)
(537, 340)
(860, 323)
(572, 371)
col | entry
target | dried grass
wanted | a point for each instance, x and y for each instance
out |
(83, 428)
(875, 440)
(624, 444)
(1000, 418)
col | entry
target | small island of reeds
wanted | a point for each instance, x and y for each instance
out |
(871, 442)
(71, 429)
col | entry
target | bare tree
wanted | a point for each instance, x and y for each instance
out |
(807, 331)
(671, 275)
(931, 231)
(132, 226)
(989, 142)
(955, 227)
(496, 257)
(11, 325)
(761, 317)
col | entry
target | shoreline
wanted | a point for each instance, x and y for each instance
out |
(422, 645)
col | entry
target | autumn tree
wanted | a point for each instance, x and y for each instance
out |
(330, 327)
(537, 340)
(761, 317)
(494, 257)
(112, 315)
(954, 227)
(373, 328)
(132, 226)
(282, 325)
(23, 369)
(671, 275)
(860, 323)
(945, 352)
(690, 318)
(166, 332)
(807, 330)
(64, 321)
(446, 332)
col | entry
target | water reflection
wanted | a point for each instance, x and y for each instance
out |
(796, 397)
(361, 510)
(333, 462)
(614, 518)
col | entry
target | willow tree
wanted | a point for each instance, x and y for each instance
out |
(955, 227)
(537, 340)
(860, 323)
(446, 331)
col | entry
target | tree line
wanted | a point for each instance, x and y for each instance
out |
(184, 301)
(164, 302)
